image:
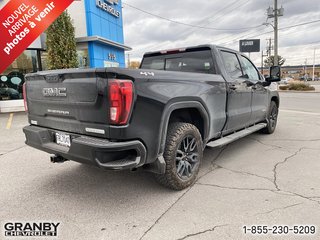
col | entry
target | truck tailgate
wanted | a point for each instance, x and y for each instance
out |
(72, 100)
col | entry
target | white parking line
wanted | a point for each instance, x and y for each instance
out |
(300, 112)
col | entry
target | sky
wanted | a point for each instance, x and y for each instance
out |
(224, 23)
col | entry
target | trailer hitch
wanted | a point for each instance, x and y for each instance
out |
(57, 159)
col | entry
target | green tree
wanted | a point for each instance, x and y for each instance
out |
(270, 61)
(61, 43)
(134, 64)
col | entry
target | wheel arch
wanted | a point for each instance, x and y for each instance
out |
(276, 100)
(185, 112)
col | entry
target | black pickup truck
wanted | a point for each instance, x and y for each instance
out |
(158, 118)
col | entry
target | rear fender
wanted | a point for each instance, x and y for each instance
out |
(166, 117)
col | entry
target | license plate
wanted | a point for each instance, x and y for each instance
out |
(63, 139)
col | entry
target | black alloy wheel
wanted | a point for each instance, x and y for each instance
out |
(187, 157)
(183, 155)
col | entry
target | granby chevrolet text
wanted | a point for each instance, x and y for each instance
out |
(35, 229)
(158, 118)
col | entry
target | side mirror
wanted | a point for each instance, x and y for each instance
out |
(275, 74)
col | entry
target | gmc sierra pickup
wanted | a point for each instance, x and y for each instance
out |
(158, 118)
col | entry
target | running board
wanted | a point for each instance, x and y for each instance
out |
(235, 136)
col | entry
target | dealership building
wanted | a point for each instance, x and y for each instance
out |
(100, 43)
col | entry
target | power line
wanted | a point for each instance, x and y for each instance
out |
(182, 34)
(219, 14)
(245, 37)
(236, 6)
(215, 16)
(283, 28)
(202, 27)
(302, 45)
(237, 37)
(187, 24)
(300, 24)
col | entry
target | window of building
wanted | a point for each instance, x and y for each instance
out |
(83, 55)
(12, 79)
(83, 58)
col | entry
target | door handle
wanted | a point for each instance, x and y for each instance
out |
(232, 87)
(249, 83)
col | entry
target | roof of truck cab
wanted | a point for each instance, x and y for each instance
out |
(165, 51)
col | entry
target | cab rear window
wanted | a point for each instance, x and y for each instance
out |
(195, 61)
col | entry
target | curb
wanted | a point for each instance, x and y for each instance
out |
(293, 91)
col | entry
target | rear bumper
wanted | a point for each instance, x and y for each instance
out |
(90, 150)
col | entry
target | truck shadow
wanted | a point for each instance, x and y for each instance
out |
(79, 181)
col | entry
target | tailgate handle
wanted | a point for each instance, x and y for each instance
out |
(53, 78)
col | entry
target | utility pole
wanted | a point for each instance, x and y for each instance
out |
(276, 62)
(269, 46)
(314, 63)
(275, 13)
(305, 70)
(128, 60)
(268, 54)
(262, 62)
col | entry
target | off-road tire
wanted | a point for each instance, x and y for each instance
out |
(178, 134)
(272, 119)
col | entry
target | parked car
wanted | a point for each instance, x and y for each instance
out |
(8, 93)
(286, 80)
(11, 86)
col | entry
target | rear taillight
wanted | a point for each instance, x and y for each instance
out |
(120, 100)
(24, 93)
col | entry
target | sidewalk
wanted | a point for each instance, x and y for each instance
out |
(317, 87)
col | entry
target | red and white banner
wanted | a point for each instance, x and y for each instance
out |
(22, 21)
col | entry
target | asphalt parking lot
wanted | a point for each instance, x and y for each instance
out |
(266, 180)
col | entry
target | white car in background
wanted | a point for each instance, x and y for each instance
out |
(285, 81)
